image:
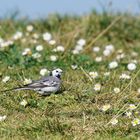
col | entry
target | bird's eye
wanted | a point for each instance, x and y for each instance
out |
(56, 71)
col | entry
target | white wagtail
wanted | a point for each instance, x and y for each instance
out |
(46, 85)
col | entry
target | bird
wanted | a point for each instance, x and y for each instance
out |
(45, 85)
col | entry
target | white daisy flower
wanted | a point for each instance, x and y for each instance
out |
(110, 47)
(35, 36)
(97, 87)
(36, 55)
(17, 35)
(53, 58)
(23, 102)
(29, 28)
(52, 42)
(93, 74)
(106, 52)
(120, 56)
(138, 90)
(6, 43)
(81, 42)
(27, 81)
(113, 64)
(78, 47)
(128, 114)
(60, 48)
(27, 51)
(135, 121)
(2, 118)
(132, 107)
(74, 67)
(47, 36)
(39, 48)
(114, 121)
(6, 79)
(75, 52)
(124, 76)
(96, 49)
(44, 71)
(98, 59)
(106, 107)
(106, 74)
(131, 66)
(116, 90)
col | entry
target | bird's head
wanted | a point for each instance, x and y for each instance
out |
(57, 73)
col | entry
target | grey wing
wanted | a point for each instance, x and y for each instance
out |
(44, 82)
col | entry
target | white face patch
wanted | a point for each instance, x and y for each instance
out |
(56, 72)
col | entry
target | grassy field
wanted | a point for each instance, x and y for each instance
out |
(100, 57)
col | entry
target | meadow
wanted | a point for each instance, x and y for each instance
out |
(99, 97)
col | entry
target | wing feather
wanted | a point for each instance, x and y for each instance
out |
(44, 82)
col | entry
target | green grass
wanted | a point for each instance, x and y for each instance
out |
(75, 112)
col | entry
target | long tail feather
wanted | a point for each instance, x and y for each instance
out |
(16, 89)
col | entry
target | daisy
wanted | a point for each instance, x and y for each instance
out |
(114, 121)
(106, 74)
(96, 49)
(75, 52)
(44, 71)
(106, 52)
(93, 74)
(6, 79)
(131, 66)
(39, 48)
(2, 118)
(6, 43)
(120, 56)
(97, 87)
(27, 81)
(81, 42)
(74, 67)
(113, 65)
(23, 102)
(29, 28)
(78, 47)
(60, 48)
(27, 51)
(110, 47)
(98, 59)
(17, 35)
(47, 36)
(128, 114)
(132, 107)
(53, 58)
(106, 107)
(116, 90)
(135, 122)
(36, 55)
(124, 76)
(52, 42)
(138, 90)
(35, 36)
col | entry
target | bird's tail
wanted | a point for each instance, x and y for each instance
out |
(16, 89)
